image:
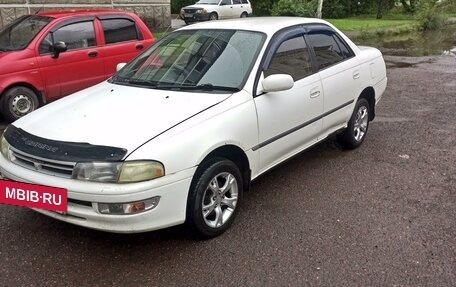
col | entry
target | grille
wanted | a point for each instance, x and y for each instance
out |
(190, 11)
(47, 166)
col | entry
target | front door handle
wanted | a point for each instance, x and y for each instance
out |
(139, 47)
(93, 54)
(315, 94)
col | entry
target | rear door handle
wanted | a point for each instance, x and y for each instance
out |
(139, 47)
(356, 75)
(93, 54)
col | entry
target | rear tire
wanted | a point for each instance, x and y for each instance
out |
(17, 102)
(244, 15)
(214, 197)
(356, 131)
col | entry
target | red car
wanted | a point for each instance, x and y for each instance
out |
(49, 55)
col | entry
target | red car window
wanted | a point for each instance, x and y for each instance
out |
(119, 30)
(76, 36)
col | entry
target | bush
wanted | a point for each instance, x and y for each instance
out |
(430, 16)
(294, 8)
(176, 5)
(334, 9)
(262, 7)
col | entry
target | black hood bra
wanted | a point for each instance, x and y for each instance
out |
(60, 150)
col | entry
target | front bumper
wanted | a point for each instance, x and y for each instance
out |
(196, 17)
(83, 198)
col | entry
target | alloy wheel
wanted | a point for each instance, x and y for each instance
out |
(220, 199)
(360, 124)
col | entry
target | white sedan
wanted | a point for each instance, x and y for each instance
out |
(205, 10)
(178, 134)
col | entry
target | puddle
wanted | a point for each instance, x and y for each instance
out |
(415, 44)
(390, 63)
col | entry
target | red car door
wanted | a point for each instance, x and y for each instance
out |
(79, 67)
(123, 40)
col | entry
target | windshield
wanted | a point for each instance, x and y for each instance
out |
(210, 2)
(21, 32)
(195, 60)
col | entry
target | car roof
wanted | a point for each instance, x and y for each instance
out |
(80, 12)
(267, 25)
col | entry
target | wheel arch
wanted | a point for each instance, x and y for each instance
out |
(369, 94)
(40, 95)
(236, 155)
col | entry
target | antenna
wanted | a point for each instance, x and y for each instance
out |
(41, 8)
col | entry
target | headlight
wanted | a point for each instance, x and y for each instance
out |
(5, 148)
(133, 171)
(202, 11)
(118, 172)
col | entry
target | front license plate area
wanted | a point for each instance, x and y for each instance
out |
(34, 196)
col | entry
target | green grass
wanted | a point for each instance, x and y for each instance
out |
(363, 24)
(159, 35)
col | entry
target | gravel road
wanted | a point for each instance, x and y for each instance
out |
(381, 215)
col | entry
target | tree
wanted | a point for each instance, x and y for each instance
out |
(319, 8)
(409, 8)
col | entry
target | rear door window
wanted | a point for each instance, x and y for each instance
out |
(119, 30)
(329, 49)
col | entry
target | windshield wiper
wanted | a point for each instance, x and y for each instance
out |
(140, 82)
(202, 87)
(130, 81)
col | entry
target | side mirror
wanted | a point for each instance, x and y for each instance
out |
(277, 83)
(120, 66)
(59, 47)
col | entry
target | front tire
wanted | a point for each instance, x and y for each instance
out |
(17, 102)
(213, 16)
(356, 131)
(214, 197)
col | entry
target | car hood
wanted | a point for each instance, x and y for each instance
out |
(115, 115)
